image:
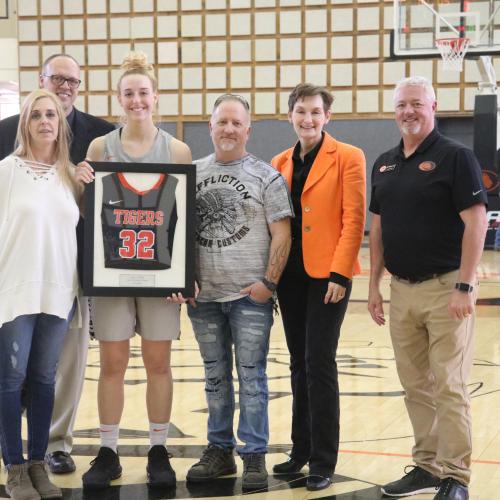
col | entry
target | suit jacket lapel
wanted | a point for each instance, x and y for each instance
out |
(78, 141)
(323, 162)
(287, 168)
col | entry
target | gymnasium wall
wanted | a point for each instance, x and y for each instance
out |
(9, 66)
(258, 48)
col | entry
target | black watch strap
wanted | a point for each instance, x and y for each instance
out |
(464, 287)
(269, 285)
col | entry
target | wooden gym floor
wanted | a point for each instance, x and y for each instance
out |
(376, 436)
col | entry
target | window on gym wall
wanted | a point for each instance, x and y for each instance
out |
(9, 99)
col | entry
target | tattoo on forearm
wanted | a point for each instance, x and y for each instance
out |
(277, 261)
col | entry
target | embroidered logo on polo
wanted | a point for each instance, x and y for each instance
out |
(387, 168)
(427, 166)
(491, 180)
(224, 214)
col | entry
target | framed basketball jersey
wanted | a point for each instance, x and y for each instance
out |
(139, 230)
(138, 227)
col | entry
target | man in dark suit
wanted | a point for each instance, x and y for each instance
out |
(61, 75)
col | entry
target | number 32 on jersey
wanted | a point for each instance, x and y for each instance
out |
(137, 244)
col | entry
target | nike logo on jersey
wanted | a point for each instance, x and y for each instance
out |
(114, 202)
(476, 192)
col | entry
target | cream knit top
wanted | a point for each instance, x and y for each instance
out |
(38, 218)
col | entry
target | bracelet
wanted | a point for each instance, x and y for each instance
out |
(269, 284)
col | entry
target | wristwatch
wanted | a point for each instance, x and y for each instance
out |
(464, 287)
(269, 284)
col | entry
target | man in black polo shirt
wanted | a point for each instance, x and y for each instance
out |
(428, 229)
(61, 75)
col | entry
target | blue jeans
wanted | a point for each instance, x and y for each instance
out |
(30, 346)
(246, 324)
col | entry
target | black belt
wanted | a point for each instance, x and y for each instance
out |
(415, 281)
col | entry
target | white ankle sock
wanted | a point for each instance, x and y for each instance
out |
(158, 433)
(109, 435)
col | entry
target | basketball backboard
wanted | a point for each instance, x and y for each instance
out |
(418, 23)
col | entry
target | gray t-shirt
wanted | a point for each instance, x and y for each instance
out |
(235, 202)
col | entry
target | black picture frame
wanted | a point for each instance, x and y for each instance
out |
(104, 273)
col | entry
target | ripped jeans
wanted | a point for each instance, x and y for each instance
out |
(246, 324)
(30, 346)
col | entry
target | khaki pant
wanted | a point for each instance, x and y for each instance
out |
(69, 383)
(433, 357)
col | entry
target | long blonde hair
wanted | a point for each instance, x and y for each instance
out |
(24, 139)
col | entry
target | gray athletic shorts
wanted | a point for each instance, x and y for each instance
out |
(119, 318)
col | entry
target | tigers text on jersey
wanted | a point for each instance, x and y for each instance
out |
(138, 227)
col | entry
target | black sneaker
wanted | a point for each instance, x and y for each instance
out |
(105, 467)
(451, 489)
(254, 471)
(414, 482)
(214, 462)
(160, 472)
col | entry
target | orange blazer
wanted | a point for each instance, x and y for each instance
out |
(333, 207)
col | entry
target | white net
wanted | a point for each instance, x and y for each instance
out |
(453, 51)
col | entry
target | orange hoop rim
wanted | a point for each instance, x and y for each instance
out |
(453, 51)
(452, 41)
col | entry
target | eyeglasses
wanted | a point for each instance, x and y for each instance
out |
(231, 97)
(59, 80)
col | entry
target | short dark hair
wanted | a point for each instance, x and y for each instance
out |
(303, 90)
(54, 56)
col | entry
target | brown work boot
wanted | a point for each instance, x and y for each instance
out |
(41, 481)
(19, 486)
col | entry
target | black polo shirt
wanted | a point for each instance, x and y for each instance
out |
(419, 200)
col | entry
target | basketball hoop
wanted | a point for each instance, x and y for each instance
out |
(452, 51)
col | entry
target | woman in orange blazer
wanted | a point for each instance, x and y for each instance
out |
(327, 182)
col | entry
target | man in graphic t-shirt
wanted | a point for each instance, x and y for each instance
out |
(243, 239)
